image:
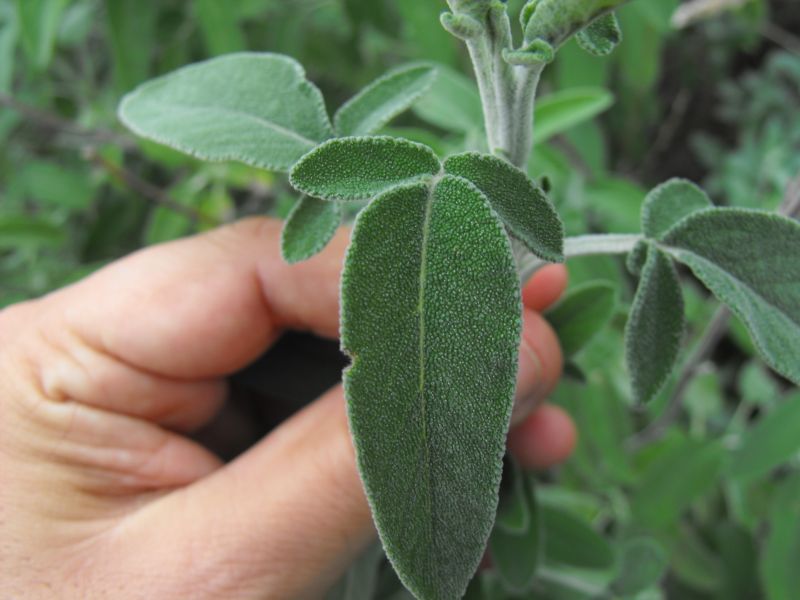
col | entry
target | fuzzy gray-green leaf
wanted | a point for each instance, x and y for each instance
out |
(383, 100)
(358, 168)
(750, 260)
(258, 109)
(521, 204)
(655, 326)
(601, 36)
(431, 318)
(670, 202)
(309, 228)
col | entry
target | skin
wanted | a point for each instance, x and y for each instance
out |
(101, 493)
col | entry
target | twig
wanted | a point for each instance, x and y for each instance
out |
(781, 37)
(51, 121)
(147, 190)
(790, 207)
(698, 10)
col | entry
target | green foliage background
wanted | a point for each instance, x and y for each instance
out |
(712, 484)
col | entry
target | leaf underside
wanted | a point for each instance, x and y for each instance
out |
(258, 109)
(655, 326)
(308, 229)
(521, 204)
(431, 318)
(383, 100)
(358, 168)
(750, 260)
(669, 203)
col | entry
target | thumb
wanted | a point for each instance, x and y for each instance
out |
(284, 520)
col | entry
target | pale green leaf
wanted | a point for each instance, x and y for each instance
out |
(431, 319)
(452, 103)
(384, 99)
(516, 554)
(749, 260)
(308, 229)
(601, 36)
(774, 439)
(22, 231)
(670, 202)
(642, 564)
(39, 20)
(655, 326)
(521, 204)
(53, 184)
(582, 313)
(131, 24)
(258, 109)
(569, 540)
(219, 25)
(357, 168)
(561, 111)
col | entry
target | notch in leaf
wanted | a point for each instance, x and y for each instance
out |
(434, 346)
(383, 99)
(258, 109)
(520, 203)
(655, 325)
(358, 168)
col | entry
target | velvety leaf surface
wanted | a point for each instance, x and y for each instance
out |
(655, 326)
(571, 541)
(258, 109)
(431, 318)
(515, 554)
(309, 228)
(774, 439)
(670, 202)
(583, 312)
(383, 100)
(751, 261)
(521, 204)
(357, 168)
(601, 36)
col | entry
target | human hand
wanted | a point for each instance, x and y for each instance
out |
(101, 494)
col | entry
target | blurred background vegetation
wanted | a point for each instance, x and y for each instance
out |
(709, 474)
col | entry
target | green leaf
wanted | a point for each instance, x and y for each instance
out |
(50, 183)
(39, 21)
(571, 541)
(778, 561)
(308, 229)
(521, 204)
(601, 36)
(132, 24)
(582, 314)
(670, 202)
(357, 168)
(21, 231)
(431, 319)
(219, 26)
(513, 514)
(674, 480)
(515, 554)
(773, 440)
(383, 99)
(655, 326)
(361, 579)
(563, 110)
(749, 260)
(253, 108)
(739, 561)
(642, 564)
(452, 103)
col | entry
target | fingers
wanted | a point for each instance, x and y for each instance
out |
(545, 287)
(546, 438)
(285, 519)
(204, 306)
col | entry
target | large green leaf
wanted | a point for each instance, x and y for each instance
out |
(431, 318)
(39, 20)
(22, 231)
(357, 168)
(774, 439)
(582, 314)
(258, 109)
(452, 103)
(778, 560)
(219, 25)
(569, 540)
(670, 202)
(515, 554)
(655, 326)
(749, 260)
(521, 204)
(131, 24)
(642, 563)
(558, 112)
(383, 100)
(308, 229)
